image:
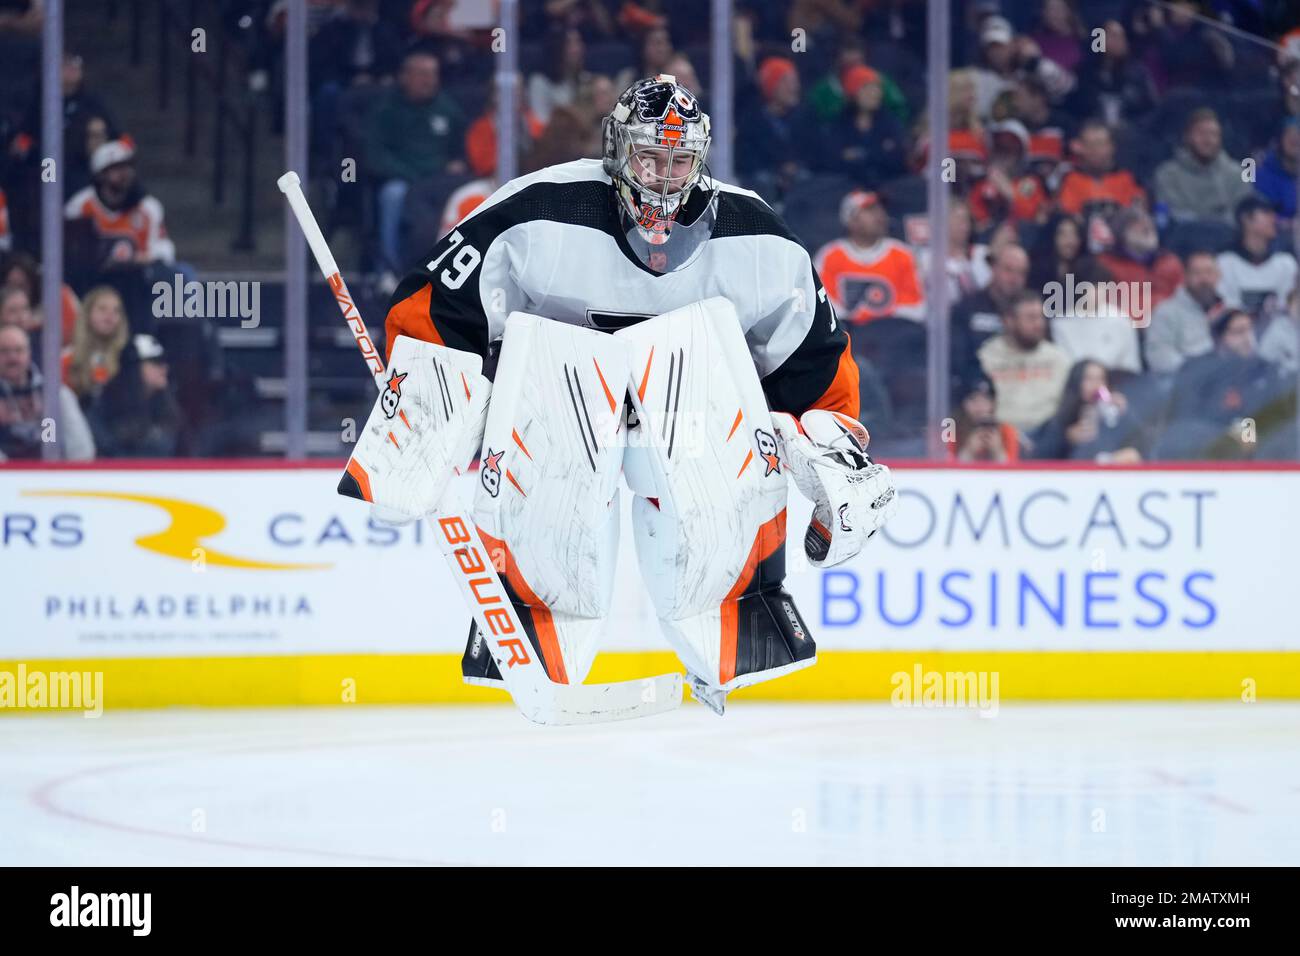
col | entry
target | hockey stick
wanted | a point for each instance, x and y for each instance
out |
(534, 693)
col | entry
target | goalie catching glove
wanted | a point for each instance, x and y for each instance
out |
(426, 425)
(852, 496)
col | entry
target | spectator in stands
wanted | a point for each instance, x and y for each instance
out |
(979, 316)
(481, 137)
(965, 131)
(97, 132)
(1188, 53)
(16, 310)
(826, 18)
(415, 131)
(1008, 190)
(1060, 35)
(963, 102)
(23, 429)
(1113, 84)
(1180, 326)
(124, 218)
(1061, 251)
(772, 137)
(1028, 371)
(828, 98)
(355, 47)
(1136, 256)
(456, 32)
(867, 274)
(1092, 422)
(1095, 185)
(94, 357)
(1276, 177)
(465, 200)
(21, 270)
(22, 17)
(680, 66)
(1226, 400)
(574, 131)
(1288, 76)
(1201, 182)
(591, 16)
(87, 123)
(136, 415)
(977, 435)
(656, 53)
(1031, 107)
(867, 142)
(1005, 59)
(1280, 343)
(968, 262)
(1256, 278)
(563, 76)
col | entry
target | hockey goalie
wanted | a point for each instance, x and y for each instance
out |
(641, 324)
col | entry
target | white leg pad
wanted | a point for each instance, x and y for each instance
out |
(711, 550)
(547, 499)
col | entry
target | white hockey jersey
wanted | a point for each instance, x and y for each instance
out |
(551, 243)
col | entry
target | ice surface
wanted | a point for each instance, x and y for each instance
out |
(801, 784)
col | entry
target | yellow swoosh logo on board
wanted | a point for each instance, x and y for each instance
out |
(190, 524)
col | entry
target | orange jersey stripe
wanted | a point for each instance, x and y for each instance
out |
(411, 317)
(842, 394)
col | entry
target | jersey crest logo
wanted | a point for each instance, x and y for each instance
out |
(391, 396)
(768, 452)
(490, 472)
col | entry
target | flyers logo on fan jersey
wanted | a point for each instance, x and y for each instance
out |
(873, 295)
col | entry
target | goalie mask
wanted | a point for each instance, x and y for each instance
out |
(655, 143)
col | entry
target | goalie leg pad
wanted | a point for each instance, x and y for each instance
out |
(710, 519)
(546, 504)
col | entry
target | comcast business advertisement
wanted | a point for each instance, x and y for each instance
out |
(143, 563)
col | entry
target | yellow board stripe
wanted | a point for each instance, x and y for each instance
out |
(838, 675)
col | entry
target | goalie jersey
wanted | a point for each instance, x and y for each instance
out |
(551, 244)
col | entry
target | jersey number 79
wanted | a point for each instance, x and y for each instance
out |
(464, 262)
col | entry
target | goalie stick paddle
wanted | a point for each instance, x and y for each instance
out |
(539, 698)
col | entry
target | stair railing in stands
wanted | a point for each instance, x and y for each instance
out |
(213, 87)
